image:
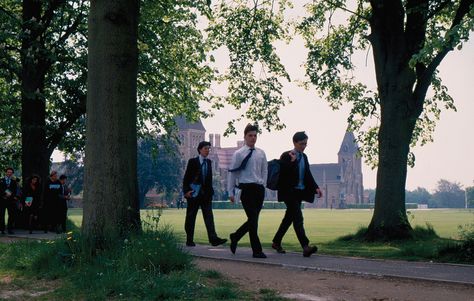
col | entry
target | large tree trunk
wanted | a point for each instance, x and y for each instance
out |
(389, 220)
(111, 194)
(392, 49)
(34, 153)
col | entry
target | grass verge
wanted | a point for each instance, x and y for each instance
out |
(149, 266)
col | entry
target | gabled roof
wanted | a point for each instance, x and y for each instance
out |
(183, 124)
(326, 173)
(349, 141)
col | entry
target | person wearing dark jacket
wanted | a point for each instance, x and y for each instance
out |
(296, 184)
(51, 200)
(64, 196)
(8, 198)
(31, 198)
(198, 191)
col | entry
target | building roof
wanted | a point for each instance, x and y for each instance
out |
(326, 173)
(348, 145)
(183, 124)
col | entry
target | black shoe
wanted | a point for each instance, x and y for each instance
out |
(218, 241)
(11, 232)
(31, 232)
(233, 244)
(190, 244)
(3, 232)
(259, 255)
(278, 248)
(308, 250)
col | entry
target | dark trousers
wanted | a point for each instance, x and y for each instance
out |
(191, 213)
(10, 207)
(61, 216)
(252, 200)
(293, 215)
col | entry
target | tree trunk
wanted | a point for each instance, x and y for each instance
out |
(34, 153)
(110, 190)
(389, 220)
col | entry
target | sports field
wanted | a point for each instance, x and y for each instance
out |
(322, 225)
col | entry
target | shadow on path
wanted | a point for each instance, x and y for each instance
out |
(450, 273)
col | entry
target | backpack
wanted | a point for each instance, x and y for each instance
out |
(273, 174)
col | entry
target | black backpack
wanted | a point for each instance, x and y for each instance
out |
(273, 174)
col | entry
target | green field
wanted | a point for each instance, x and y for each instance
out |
(322, 226)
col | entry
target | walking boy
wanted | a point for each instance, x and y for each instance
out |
(296, 184)
(197, 189)
(249, 173)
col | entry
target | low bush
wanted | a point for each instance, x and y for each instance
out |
(462, 250)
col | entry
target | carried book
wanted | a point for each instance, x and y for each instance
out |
(28, 200)
(196, 188)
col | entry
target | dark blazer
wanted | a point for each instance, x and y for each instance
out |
(13, 189)
(193, 175)
(289, 179)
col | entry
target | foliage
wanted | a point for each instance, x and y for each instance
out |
(248, 31)
(470, 196)
(418, 196)
(333, 44)
(462, 251)
(448, 195)
(158, 166)
(173, 77)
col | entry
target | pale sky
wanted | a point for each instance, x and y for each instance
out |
(450, 156)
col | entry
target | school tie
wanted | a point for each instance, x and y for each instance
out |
(301, 168)
(204, 170)
(244, 161)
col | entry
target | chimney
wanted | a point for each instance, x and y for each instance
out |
(217, 141)
(211, 139)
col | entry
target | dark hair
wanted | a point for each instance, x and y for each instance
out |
(203, 144)
(30, 179)
(62, 177)
(299, 136)
(9, 168)
(250, 128)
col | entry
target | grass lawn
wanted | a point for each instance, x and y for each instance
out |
(323, 227)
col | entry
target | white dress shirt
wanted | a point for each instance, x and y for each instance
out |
(255, 171)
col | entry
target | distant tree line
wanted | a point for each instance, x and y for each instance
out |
(446, 195)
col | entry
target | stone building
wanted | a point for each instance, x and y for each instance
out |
(341, 182)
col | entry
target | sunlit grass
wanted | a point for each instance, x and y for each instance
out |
(323, 227)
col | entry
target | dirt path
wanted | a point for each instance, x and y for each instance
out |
(298, 284)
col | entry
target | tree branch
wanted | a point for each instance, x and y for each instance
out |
(424, 80)
(47, 18)
(337, 5)
(440, 7)
(10, 14)
(70, 30)
(77, 111)
(415, 29)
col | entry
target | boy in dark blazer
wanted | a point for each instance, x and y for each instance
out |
(8, 198)
(198, 191)
(296, 184)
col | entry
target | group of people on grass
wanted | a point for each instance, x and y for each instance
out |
(247, 179)
(33, 205)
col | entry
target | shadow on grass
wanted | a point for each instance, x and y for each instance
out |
(424, 245)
